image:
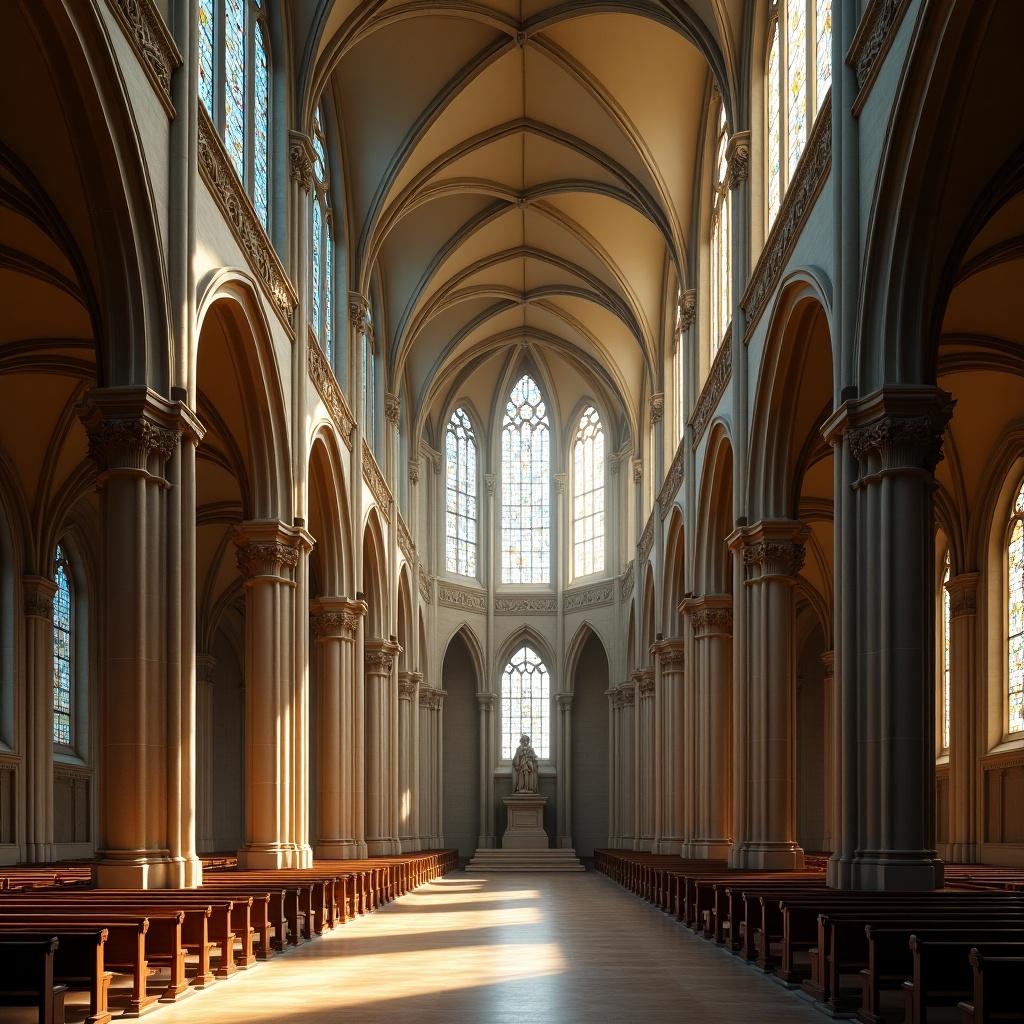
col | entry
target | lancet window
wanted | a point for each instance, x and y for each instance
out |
(526, 703)
(460, 495)
(588, 495)
(525, 486)
(721, 279)
(1015, 618)
(234, 87)
(322, 276)
(63, 649)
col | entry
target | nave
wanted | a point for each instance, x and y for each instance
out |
(544, 948)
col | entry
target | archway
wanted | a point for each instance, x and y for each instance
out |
(460, 774)
(589, 761)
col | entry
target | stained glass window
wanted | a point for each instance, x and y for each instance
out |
(63, 649)
(588, 495)
(369, 388)
(525, 486)
(322, 276)
(1015, 618)
(945, 652)
(721, 284)
(234, 86)
(525, 703)
(798, 76)
(460, 495)
(680, 366)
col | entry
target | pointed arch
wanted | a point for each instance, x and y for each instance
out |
(476, 652)
(674, 587)
(525, 697)
(648, 628)
(375, 578)
(713, 568)
(328, 514)
(584, 633)
(404, 625)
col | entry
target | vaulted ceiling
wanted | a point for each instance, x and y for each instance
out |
(520, 176)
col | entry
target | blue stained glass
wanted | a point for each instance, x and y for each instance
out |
(945, 653)
(460, 495)
(234, 81)
(206, 29)
(823, 51)
(526, 703)
(1015, 619)
(62, 650)
(261, 130)
(328, 333)
(318, 233)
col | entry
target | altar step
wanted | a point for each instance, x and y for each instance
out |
(492, 861)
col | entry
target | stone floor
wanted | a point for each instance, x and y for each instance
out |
(543, 949)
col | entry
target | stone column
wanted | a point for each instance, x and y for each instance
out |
(614, 831)
(829, 730)
(37, 604)
(773, 555)
(205, 664)
(147, 716)
(628, 768)
(711, 622)
(381, 782)
(563, 701)
(644, 680)
(268, 559)
(339, 767)
(408, 768)
(487, 839)
(963, 718)
(431, 703)
(670, 661)
(888, 770)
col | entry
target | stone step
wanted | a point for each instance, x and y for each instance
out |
(524, 860)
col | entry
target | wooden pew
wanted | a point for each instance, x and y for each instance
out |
(27, 978)
(997, 990)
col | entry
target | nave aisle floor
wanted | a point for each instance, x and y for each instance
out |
(512, 949)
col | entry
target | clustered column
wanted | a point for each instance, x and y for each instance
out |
(275, 820)
(963, 718)
(335, 622)
(645, 756)
(381, 701)
(711, 622)
(563, 701)
(623, 735)
(670, 659)
(431, 709)
(408, 769)
(205, 664)
(773, 555)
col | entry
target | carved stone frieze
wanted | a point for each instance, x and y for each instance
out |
(537, 604)
(375, 481)
(229, 194)
(588, 597)
(673, 481)
(152, 42)
(326, 384)
(626, 584)
(405, 543)
(646, 541)
(426, 584)
(874, 35)
(810, 175)
(461, 597)
(711, 393)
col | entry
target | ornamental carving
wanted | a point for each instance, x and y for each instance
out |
(375, 481)
(534, 605)
(152, 42)
(671, 653)
(431, 699)
(341, 623)
(405, 543)
(392, 408)
(461, 597)
(37, 597)
(963, 594)
(711, 621)
(426, 584)
(900, 441)
(638, 471)
(672, 483)
(359, 314)
(626, 585)
(489, 479)
(645, 685)
(414, 471)
(235, 205)
(326, 384)
(300, 162)
(874, 36)
(811, 172)
(129, 443)
(711, 393)
(646, 541)
(687, 309)
(588, 597)
(657, 408)
(739, 159)
(379, 656)
(266, 558)
(623, 696)
(560, 482)
(775, 557)
(408, 685)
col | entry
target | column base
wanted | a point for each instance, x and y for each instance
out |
(382, 847)
(961, 853)
(671, 845)
(410, 844)
(917, 871)
(486, 842)
(339, 849)
(148, 871)
(710, 849)
(769, 857)
(271, 856)
(39, 853)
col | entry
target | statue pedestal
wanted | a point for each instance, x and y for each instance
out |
(525, 827)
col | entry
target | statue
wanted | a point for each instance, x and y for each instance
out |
(524, 768)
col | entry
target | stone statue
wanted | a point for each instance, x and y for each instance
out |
(524, 768)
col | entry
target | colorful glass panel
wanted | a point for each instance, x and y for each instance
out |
(261, 130)
(946, 618)
(796, 83)
(63, 650)
(774, 126)
(206, 50)
(460, 495)
(328, 289)
(318, 267)
(588, 495)
(525, 487)
(1015, 619)
(234, 84)
(823, 51)
(525, 703)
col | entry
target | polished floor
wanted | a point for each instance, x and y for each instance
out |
(512, 949)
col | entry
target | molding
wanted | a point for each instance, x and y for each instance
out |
(237, 208)
(152, 42)
(671, 653)
(871, 43)
(594, 596)
(646, 541)
(711, 393)
(811, 172)
(454, 596)
(405, 543)
(628, 579)
(710, 615)
(374, 479)
(267, 548)
(327, 387)
(431, 699)
(426, 585)
(673, 481)
(540, 604)
(772, 548)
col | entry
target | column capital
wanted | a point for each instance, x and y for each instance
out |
(414, 471)
(687, 309)
(301, 159)
(560, 481)
(657, 408)
(335, 617)
(267, 547)
(710, 615)
(408, 685)
(671, 652)
(489, 479)
(485, 698)
(392, 407)
(37, 597)
(643, 679)
(359, 313)
(896, 427)
(432, 699)
(737, 153)
(564, 700)
(379, 655)
(963, 594)
(772, 547)
(205, 664)
(638, 470)
(624, 695)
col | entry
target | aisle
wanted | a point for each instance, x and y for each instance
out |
(513, 949)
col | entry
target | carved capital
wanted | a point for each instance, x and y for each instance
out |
(624, 695)
(431, 699)
(335, 617)
(379, 656)
(414, 471)
(359, 314)
(709, 616)
(409, 685)
(963, 594)
(300, 160)
(638, 470)
(687, 309)
(489, 480)
(37, 597)
(671, 653)
(560, 481)
(773, 547)
(738, 155)
(267, 548)
(657, 408)
(392, 408)
(643, 679)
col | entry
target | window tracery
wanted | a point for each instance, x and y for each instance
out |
(63, 649)
(525, 703)
(525, 486)
(234, 87)
(460, 495)
(721, 281)
(798, 76)
(322, 270)
(588, 495)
